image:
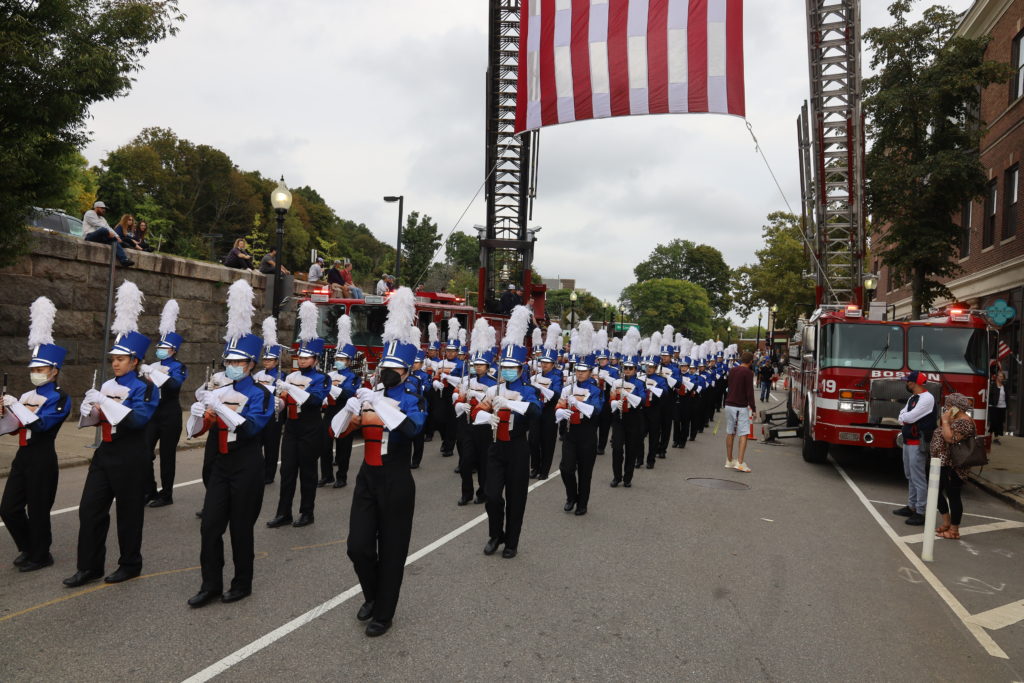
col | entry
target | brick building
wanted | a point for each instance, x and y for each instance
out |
(992, 240)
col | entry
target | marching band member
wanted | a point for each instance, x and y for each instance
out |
(430, 367)
(268, 376)
(510, 407)
(548, 383)
(122, 407)
(475, 437)
(447, 374)
(384, 499)
(234, 416)
(580, 406)
(604, 375)
(424, 387)
(165, 427)
(670, 372)
(303, 392)
(627, 397)
(657, 393)
(35, 417)
(344, 384)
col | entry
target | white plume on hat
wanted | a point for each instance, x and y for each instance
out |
(240, 310)
(645, 345)
(601, 340)
(667, 335)
(463, 335)
(554, 338)
(537, 339)
(630, 342)
(679, 340)
(308, 318)
(169, 317)
(401, 313)
(614, 345)
(518, 324)
(432, 333)
(127, 308)
(344, 331)
(492, 337)
(480, 340)
(453, 328)
(585, 339)
(655, 348)
(270, 331)
(41, 314)
(415, 336)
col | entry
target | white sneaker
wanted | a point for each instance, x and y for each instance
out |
(742, 467)
(730, 464)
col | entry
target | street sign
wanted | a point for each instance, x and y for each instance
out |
(1000, 312)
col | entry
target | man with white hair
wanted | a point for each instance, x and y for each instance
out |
(98, 230)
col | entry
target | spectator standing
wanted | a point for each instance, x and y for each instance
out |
(918, 423)
(997, 404)
(239, 256)
(739, 410)
(955, 425)
(765, 374)
(316, 271)
(269, 262)
(98, 230)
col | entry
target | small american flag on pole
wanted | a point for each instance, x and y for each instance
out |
(592, 59)
(1002, 350)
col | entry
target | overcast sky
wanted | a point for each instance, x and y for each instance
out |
(362, 99)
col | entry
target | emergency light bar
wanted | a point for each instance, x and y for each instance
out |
(853, 311)
(959, 315)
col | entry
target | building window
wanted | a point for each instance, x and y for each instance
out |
(965, 230)
(1010, 188)
(988, 233)
(1017, 60)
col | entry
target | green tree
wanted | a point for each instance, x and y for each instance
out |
(923, 118)
(462, 250)
(59, 58)
(667, 301)
(776, 278)
(420, 240)
(587, 305)
(700, 264)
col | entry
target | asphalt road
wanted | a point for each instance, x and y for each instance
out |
(793, 579)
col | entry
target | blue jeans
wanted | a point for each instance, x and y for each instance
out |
(766, 388)
(917, 482)
(103, 236)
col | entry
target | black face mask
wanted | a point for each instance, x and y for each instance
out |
(390, 378)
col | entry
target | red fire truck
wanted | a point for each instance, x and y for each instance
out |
(846, 373)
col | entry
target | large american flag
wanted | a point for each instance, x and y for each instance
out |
(591, 59)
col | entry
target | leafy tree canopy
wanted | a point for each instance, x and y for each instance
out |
(662, 301)
(587, 305)
(420, 240)
(462, 250)
(698, 263)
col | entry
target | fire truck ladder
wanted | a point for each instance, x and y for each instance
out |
(506, 248)
(833, 174)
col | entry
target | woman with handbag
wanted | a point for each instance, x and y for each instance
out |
(956, 430)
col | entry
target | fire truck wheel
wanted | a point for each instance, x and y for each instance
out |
(813, 451)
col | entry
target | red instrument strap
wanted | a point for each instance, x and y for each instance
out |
(106, 433)
(222, 436)
(22, 437)
(373, 437)
(504, 417)
(293, 413)
(575, 418)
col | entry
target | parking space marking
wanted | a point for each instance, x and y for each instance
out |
(980, 634)
(968, 530)
(966, 514)
(1000, 617)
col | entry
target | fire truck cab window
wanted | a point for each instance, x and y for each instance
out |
(368, 325)
(846, 345)
(327, 326)
(463, 320)
(425, 318)
(947, 350)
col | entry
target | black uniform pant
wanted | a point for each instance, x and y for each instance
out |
(627, 443)
(508, 472)
(234, 496)
(652, 424)
(379, 530)
(327, 453)
(579, 451)
(447, 422)
(300, 450)
(164, 428)
(475, 445)
(543, 435)
(118, 472)
(681, 425)
(668, 409)
(417, 448)
(604, 424)
(28, 498)
(270, 444)
(343, 455)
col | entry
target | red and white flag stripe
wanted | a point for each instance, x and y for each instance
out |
(1002, 350)
(592, 59)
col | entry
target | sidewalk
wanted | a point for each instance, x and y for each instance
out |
(74, 445)
(1003, 477)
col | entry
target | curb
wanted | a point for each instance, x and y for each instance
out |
(79, 461)
(985, 485)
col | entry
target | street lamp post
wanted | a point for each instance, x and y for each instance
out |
(757, 341)
(870, 285)
(572, 310)
(281, 200)
(771, 331)
(390, 199)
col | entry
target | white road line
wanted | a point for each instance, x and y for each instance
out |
(968, 530)
(323, 608)
(966, 514)
(999, 617)
(984, 639)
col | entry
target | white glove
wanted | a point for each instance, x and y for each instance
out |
(212, 401)
(562, 414)
(335, 392)
(495, 420)
(461, 409)
(354, 405)
(499, 403)
(455, 398)
(9, 400)
(438, 385)
(92, 396)
(546, 393)
(572, 400)
(145, 369)
(198, 409)
(446, 377)
(85, 409)
(616, 404)
(364, 394)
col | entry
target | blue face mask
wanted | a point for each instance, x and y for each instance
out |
(163, 354)
(509, 374)
(234, 372)
(340, 364)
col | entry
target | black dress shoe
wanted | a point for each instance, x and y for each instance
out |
(268, 482)
(447, 454)
(615, 482)
(203, 598)
(627, 484)
(508, 553)
(122, 574)
(638, 465)
(304, 520)
(569, 505)
(414, 466)
(693, 438)
(377, 628)
(324, 481)
(21, 559)
(236, 594)
(127, 264)
(160, 502)
(600, 451)
(678, 445)
(31, 566)
(280, 520)
(492, 545)
(457, 470)
(81, 577)
(650, 465)
(366, 611)
(199, 515)
(915, 520)
(465, 500)
(340, 483)
(533, 475)
(480, 499)
(580, 511)
(904, 511)
(661, 455)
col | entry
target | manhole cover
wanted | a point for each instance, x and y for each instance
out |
(711, 483)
